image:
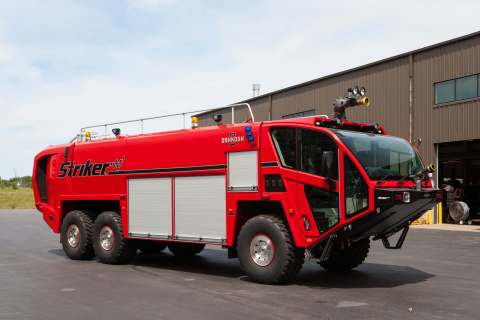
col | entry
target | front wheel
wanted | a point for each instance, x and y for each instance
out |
(108, 242)
(266, 250)
(344, 258)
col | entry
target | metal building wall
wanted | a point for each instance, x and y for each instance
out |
(388, 84)
(388, 89)
(452, 122)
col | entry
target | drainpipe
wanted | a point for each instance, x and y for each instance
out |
(270, 107)
(410, 98)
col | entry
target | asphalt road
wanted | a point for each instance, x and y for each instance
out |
(435, 276)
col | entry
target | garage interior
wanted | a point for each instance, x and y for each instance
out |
(459, 167)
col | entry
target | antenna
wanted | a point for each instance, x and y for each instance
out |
(256, 89)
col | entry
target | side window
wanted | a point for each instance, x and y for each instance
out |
(356, 190)
(458, 89)
(324, 207)
(445, 92)
(284, 141)
(466, 88)
(317, 152)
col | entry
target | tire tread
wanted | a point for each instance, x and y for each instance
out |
(295, 256)
(125, 250)
(349, 258)
(87, 219)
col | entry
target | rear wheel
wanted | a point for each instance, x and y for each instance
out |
(76, 235)
(185, 250)
(345, 258)
(266, 250)
(108, 242)
(150, 247)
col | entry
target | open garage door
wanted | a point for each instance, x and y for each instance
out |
(459, 175)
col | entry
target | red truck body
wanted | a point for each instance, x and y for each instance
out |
(193, 165)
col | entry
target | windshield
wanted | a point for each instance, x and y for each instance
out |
(383, 157)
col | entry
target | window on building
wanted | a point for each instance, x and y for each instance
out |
(466, 88)
(301, 114)
(457, 89)
(445, 92)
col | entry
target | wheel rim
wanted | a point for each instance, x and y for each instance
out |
(106, 238)
(262, 250)
(73, 235)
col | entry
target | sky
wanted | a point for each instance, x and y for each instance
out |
(68, 64)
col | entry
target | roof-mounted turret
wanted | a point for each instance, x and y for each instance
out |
(354, 97)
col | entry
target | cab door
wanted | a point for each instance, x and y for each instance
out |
(313, 154)
(318, 181)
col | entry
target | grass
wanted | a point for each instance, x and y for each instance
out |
(21, 198)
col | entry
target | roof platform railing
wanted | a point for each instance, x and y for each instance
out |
(86, 132)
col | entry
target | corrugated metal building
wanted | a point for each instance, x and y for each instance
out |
(432, 94)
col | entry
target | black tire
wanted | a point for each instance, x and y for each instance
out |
(344, 259)
(82, 249)
(150, 247)
(120, 250)
(186, 250)
(286, 261)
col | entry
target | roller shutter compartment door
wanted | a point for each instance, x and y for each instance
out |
(200, 208)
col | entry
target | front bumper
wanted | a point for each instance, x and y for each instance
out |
(393, 212)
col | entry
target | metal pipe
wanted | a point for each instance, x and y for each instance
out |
(410, 98)
(144, 119)
(270, 107)
(239, 105)
(183, 114)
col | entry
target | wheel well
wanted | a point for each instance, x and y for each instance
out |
(94, 206)
(248, 209)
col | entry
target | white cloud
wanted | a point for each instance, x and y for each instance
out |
(151, 4)
(14, 65)
(67, 64)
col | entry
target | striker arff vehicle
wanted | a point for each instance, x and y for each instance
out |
(266, 191)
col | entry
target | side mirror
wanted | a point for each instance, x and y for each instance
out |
(328, 160)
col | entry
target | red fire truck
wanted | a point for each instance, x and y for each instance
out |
(266, 191)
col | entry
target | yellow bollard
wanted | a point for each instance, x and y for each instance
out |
(440, 213)
(430, 216)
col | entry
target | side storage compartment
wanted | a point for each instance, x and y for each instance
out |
(243, 171)
(200, 208)
(150, 207)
